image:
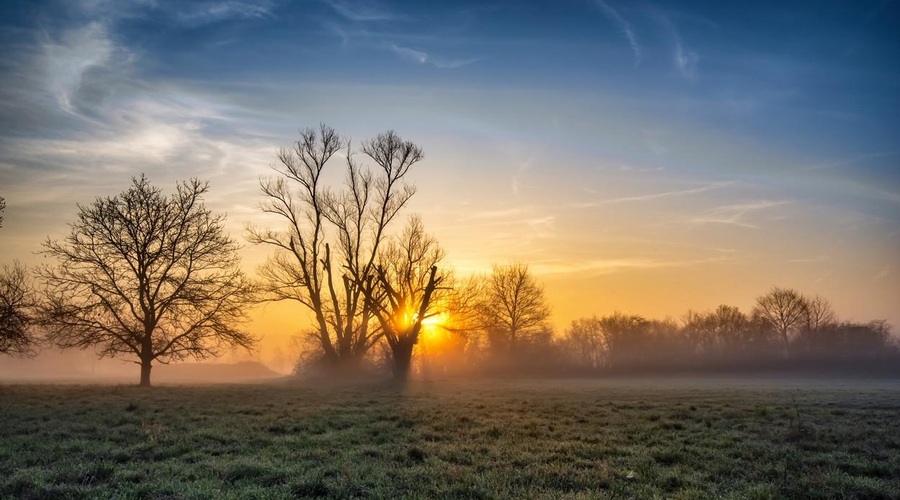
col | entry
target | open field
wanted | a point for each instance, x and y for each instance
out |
(500, 439)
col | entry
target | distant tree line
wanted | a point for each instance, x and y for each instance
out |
(785, 330)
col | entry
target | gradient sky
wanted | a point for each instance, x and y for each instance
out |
(646, 157)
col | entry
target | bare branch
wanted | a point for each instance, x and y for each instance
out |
(17, 312)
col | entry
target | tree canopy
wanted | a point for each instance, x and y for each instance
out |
(147, 277)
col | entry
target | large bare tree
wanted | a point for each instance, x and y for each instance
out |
(514, 306)
(401, 291)
(784, 310)
(331, 237)
(17, 337)
(147, 277)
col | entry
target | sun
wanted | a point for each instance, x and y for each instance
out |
(433, 331)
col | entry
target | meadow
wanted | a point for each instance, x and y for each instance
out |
(613, 438)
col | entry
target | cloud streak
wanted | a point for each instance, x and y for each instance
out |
(422, 57)
(200, 13)
(625, 28)
(361, 12)
(853, 160)
(656, 196)
(611, 266)
(685, 59)
(735, 214)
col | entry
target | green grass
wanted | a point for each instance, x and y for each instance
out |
(505, 439)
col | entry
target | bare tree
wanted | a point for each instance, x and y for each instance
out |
(401, 291)
(700, 329)
(818, 324)
(586, 342)
(627, 338)
(514, 305)
(461, 303)
(785, 310)
(2, 208)
(731, 327)
(146, 276)
(819, 314)
(332, 237)
(719, 331)
(16, 312)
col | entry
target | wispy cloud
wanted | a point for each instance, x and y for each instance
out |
(610, 266)
(494, 214)
(410, 54)
(194, 13)
(454, 63)
(81, 68)
(655, 196)
(685, 59)
(735, 214)
(852, 160)
(199, 13)
(809, 260)
(652, 139)
(94, 121)
(363, 11)
(624, 27)
(883, 273)
(422, 57)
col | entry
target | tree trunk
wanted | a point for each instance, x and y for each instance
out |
(402, 360)
(145, 373)
(146, 355)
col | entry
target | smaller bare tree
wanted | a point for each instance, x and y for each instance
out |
(401, 291)
(785, 310)
(819, 314)
(461, 303)
(147, 276)
(514, 306)
(17, 337)
(586, 341)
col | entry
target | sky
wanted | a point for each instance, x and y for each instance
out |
(640, 156)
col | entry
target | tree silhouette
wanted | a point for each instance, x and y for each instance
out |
(586, 343)
(626, 337)
(514, 305)
(784, 310)
(723, 331)
(146, 276)
(401, 291)
(16, 312)
(332, 238)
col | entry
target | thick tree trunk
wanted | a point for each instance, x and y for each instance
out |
(145, 373)
(402, 360)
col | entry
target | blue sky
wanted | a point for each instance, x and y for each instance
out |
(627, 150)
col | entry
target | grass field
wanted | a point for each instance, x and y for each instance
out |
(499, 439)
